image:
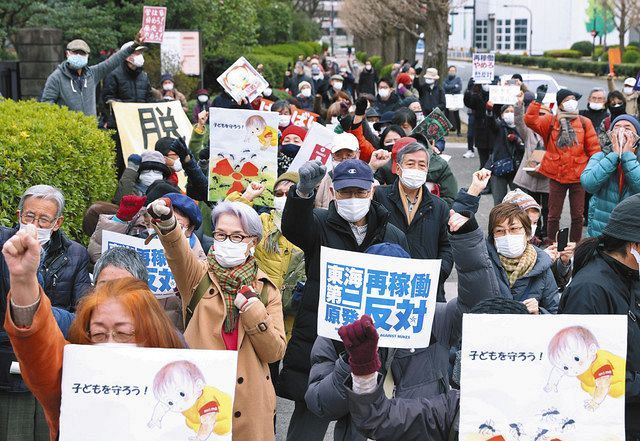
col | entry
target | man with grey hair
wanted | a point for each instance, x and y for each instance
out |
(420, 215)
(64, 277)
(118, 263)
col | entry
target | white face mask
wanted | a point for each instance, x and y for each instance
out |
(148, 177)
(337, 85)
(485, 87)
(419, 117)
(372, 128)
(354, 209)
(627, 90)
(413, 178)
(596, 106)
(229, 254)
(203, 98)
(534, 227)
(306, 92)
(429, 81)
(138, 60)
(284, 120)
(511, 245)
(44, 234)
(384, 93)
(177, 166)
(168, 86)
(570, 106)
(636, 254)
(279, 202)
(508, 118)
(267, 92)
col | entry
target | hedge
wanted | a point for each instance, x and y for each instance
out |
(580, 66)
(584, 47)
(562, 53)
(385, 72)
(46, 144)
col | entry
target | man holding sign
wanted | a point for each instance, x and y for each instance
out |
(353, 222)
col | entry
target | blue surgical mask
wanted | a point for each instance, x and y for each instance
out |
(77, 61)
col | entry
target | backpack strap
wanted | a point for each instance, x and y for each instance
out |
(203, 286)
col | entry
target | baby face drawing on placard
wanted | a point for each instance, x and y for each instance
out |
(238, 78)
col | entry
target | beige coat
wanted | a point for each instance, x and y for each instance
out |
(261, 337)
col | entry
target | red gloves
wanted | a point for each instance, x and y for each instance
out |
(129, 207)
(360, 339)
(512, 137)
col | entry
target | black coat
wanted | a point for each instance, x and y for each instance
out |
(502, 147)
(367, 81)
(390, 105)
(310, 229)
(427, 234)
(606, 286)
(66, 280)
(226, 101)
(595, 116)
(126, 85)
(430, 97)
(482, 118)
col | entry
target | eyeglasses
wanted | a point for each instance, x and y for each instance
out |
(343, 156)
(348, 194)
(42, 221)
(117, 336)
(502, 232)
(219, 236)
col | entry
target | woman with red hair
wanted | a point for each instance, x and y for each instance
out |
(121, 311)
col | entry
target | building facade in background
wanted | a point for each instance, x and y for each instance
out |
(520, 26)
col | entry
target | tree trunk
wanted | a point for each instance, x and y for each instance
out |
(622, 28)
(436, 42)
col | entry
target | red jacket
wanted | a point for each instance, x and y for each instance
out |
(564, 165)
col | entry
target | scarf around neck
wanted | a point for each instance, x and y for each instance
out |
(567, 136)
(231, 279)
(519, 266)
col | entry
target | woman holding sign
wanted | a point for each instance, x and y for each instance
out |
(119, 311)
(230, 304)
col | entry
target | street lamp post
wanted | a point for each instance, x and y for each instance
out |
(530, 23)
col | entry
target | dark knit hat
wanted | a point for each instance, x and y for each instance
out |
(187, 207)
(152, 160)
(563, 93)
(163, 145)
(165, 77)
(159, 189)
(624, 220)
(499, 305)
(630, 118)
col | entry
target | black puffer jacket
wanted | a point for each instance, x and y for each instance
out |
(310, 229)
(430, 97)
(476, 99)
(503, 147)
(427, 234)
(66, 280)
(128, 86)
(606, 286)
(367, 81)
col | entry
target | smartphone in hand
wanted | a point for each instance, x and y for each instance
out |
(562, 238)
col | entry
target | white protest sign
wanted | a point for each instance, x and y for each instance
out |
(504, 94)
(543, 377)
(454, 101)
(161, 281)
(316, 145)
(483, 68)
(399, 295)
(244, 148)
(241, 80)
(141, 394)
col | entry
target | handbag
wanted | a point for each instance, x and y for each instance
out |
(503, 167)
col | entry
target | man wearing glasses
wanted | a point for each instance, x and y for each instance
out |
(73, 83)
(63, 275)
(353, 222)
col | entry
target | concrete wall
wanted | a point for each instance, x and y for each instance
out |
(40, 50)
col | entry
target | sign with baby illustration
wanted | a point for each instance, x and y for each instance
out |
(244, 149)
(399, 294)
(543, 377)
(135, 394)
(242, 81)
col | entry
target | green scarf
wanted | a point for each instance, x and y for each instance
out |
(231, 279)
(520, 266)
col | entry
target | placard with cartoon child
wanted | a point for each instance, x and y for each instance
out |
(242, 81)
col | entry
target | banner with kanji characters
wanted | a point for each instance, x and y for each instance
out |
(316, 146)
(299, 117)
(244, 149)
(241, 80)
(161, 281)
(120, 392)
(399, 295)
(543, 377)
(483, 68)
(154, 19)
(140, 125)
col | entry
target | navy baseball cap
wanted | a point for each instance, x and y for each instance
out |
(388, 249)
(352, 173)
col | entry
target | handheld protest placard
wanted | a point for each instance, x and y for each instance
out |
(154, 19)
(534, 377)
(117, 392)
(243, 149)
(399, 295)
(434, 126)
(242, 81)
(316, 146)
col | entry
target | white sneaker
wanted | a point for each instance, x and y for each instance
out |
(469, 154)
